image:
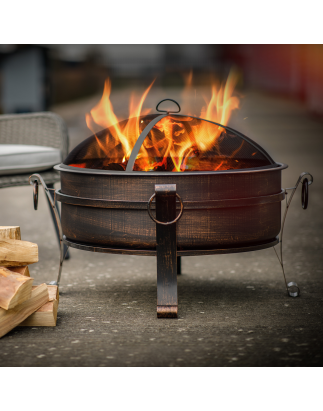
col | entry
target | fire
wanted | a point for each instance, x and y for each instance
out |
(123, 137)
(175, 143)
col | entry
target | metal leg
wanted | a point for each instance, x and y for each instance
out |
(34, 180)
(51, 187)
(179, 265)
(292, 287)
(63, 251)
(167, 304)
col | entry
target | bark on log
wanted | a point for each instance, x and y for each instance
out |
(17, 253)
(10, 233)
(23, 270)
(11, 318)
(45, 316)
(14, 288)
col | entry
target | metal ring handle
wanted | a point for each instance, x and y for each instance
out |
(35, 194)
(305, 193)
(167, 111)
(169, 222)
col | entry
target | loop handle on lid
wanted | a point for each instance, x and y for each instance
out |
(168, 111)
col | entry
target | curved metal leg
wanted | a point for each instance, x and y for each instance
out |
(63, 252)
(34, 180)
(52, 193)
(292, 287)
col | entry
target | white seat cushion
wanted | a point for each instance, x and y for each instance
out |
(19, 158)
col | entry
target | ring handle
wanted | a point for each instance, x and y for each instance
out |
(167, 111)
(35, 194)
(169, 222)
(305, 193)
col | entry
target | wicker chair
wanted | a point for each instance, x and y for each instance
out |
(42, 129)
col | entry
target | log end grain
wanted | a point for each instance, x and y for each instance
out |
(10, 232)
(14, 288)
(11, 318)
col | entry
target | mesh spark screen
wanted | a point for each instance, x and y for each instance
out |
(175, 143)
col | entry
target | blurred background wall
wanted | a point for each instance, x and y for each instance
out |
(34, 77)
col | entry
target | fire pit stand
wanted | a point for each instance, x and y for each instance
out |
(167, 252)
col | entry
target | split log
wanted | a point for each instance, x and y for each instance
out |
(17, 253)
(45, 316)
(53, 292)
(11, 318)
(23, 270)
(14, 288)
(10, 233)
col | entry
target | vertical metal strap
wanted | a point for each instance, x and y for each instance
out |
(166, 251)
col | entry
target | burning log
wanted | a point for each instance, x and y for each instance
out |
(9, 319)
(17, 253)
(14, 288)
(45, 316)
(114, 166)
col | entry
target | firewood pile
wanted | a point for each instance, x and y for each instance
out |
(21, 303)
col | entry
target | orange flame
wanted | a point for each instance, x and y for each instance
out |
(218, 110)
(177, 142)
(103, 115)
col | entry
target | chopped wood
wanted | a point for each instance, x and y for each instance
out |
(23, 270)
(53, 292)
(14, 288)
(45, 316)
(10, 233)
(17, 253)
(11, 318)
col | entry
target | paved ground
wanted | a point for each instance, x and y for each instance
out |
(233, 309)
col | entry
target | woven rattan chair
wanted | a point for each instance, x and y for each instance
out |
(41, 129)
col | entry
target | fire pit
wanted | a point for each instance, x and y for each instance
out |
(221, 194)
(229, 208)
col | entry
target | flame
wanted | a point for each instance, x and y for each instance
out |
(171, 143)
(181, 144)
(218, 110)
(123, 138)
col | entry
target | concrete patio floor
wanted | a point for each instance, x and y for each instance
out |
(233, 309)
